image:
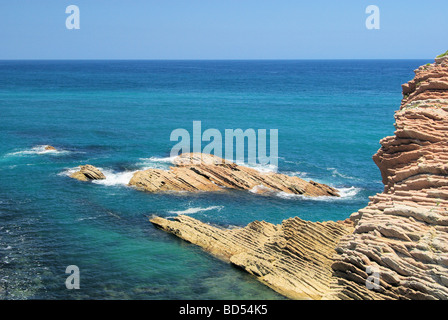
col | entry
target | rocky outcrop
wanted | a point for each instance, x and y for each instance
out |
(398, 246)
(199, 172)
(87, 173)
(293, 258)
(50, 148)
(403, 232)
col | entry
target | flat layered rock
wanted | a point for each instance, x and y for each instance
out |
(293, 258)
(199, 172)
(87, 173)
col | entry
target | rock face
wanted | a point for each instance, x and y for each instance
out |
(87, 173)
(199, 172)
(403, 232)
(398, 247)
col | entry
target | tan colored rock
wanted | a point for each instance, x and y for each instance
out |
(50, 148)
(198, 172)
(293, 258)
(403, 231)
(87, 173)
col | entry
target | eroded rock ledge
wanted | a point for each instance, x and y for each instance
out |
(200, 172)
(402, 233)
(293, 258)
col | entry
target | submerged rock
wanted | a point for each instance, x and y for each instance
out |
(398, 248)
(200, 172)
(87, 173)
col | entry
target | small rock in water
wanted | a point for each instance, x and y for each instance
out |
(88, 172)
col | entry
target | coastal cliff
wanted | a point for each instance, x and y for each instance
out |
(400, 238)
(403, 232)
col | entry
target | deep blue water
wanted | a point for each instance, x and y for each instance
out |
(118, 115)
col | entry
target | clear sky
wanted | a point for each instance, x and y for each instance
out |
(222, 29)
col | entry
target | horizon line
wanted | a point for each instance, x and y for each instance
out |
(205, 59)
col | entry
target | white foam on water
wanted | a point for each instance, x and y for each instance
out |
(38, 150)
(157, 159)
(156, 163)
(196, 210)
(299, 174)
(348, 192)
(112, 178)
(345, 193)
(68, 172)
(115, 178)
(263, 168)
(260, 189)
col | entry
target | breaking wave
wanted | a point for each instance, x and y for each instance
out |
(115, 178)
(345, 194)
(156, 163)
(41, 149)
(112, 178)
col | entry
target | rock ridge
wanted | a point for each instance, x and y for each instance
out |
(201, 172)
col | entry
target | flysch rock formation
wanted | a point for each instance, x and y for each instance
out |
(403, 232)
(293, 258)
(200, 172)
(87, 173)
(398, 245)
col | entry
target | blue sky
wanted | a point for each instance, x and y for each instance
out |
(222, 29)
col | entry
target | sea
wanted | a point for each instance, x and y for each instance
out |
(119, 116)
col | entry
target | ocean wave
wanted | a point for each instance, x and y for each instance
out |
(345, 194)
(299, 174)
(68, 172)
(112, 178)
(260, 189)
(196, 210)
(263, 168)
(348, 192)
(115, 178)
(41, 149)
(156, 163)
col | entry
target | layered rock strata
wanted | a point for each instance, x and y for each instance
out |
(199, 172)
(403, 232)
(398, 247)
(293, 258)
(87, 173)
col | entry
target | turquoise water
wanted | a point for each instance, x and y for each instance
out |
(118, 115)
